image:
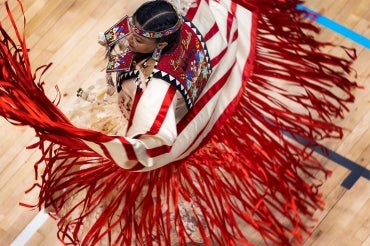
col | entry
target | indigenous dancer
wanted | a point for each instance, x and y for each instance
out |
(193, 147)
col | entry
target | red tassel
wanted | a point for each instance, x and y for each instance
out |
(247, 175)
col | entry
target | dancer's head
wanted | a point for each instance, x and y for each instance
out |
(154, 25)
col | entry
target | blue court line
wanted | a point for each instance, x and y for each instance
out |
(356, 171)
(336, 27)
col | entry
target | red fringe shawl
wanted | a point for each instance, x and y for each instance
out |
(247, 172)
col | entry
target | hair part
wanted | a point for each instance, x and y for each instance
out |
(158, 16)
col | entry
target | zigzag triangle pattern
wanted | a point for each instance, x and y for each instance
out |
(172, 80)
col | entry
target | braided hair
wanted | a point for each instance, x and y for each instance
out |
(158, 16)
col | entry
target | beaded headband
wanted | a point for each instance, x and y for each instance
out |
(152, 34)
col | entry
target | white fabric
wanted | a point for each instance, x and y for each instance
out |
(181, 144)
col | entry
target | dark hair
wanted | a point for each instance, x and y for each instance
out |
(158, 16)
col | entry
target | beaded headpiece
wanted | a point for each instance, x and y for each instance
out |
(122, 28)
(152, 34)
(118, 31)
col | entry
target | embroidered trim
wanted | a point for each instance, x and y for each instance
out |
(120, 62)
(121, 77)
(189, 90)
(118, 31)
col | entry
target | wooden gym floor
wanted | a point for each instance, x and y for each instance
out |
(64, 32)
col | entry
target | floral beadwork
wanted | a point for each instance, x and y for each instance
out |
(188, 66)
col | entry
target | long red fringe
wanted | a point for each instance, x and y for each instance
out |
(248, 173)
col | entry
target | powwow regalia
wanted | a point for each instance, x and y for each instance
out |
(223, 172)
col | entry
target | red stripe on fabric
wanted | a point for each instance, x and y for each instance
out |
(235, 36)
(137, 167)
(195, 139)
(214, 29)
(155, 129)
(131, 155)
(215, 60)
(152, 153)
(106, 151)
(230, 19)
(192, 11)
(160, 150)
(130, 152)
(201, 103)
(247, 71)
(166, 104)
(204, 100)
(137, 96)
(233, 7)
(249, 64)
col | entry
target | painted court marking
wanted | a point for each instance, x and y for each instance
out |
(336, 27)
(356, 171)
(30, 229)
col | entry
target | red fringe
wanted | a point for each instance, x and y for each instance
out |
(247, 173)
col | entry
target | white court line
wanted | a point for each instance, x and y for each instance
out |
(30, 229)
